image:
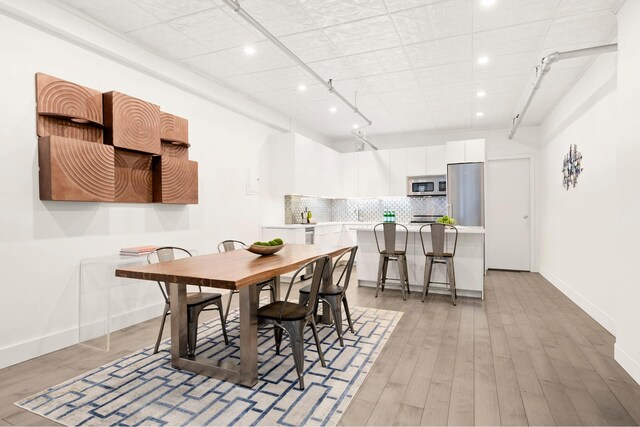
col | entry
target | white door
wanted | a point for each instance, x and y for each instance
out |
(508, 224)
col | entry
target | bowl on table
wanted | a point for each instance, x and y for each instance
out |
(264, 250)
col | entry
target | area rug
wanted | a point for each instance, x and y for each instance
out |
(143, 388)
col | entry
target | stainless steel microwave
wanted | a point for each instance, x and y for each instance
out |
(430, 185)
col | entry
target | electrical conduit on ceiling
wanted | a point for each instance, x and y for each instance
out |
(545, 66)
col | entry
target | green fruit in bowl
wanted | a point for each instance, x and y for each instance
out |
(278, 241)
(274, 242)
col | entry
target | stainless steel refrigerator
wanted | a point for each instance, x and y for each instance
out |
(465, 193)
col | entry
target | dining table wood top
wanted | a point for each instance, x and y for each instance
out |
(230, 270)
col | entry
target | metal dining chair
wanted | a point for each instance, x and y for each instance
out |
(292, 317)
(268, 285)
(335, 295)
(437, 255)
(389, 252)
(196, 301)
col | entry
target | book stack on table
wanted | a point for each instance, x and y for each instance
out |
(137, 250)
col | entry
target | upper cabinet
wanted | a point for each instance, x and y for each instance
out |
(349, 174)
(397, 172)
(474, 151)
(416, 161)
(373, 173)
(437, 160)
(466, 151)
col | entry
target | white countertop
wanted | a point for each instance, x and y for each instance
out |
(368, 226)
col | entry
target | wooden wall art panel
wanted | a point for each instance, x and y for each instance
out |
(175, 181)
(75, 170)
(174, 129)
(67, 109)
(177, 151)
(131, 123)
(134, 177)
(110, 147)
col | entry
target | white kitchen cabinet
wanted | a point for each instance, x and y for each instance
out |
(466, 151)
(437, 160)
(288, 235)
(397, 173)
(373, 173)
(328, 235)
(474, 151)
(456, 151)
(349, 174)
(416, 161)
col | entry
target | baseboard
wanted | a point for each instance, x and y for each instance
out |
(627, 362)
(23, 351)
(37, 347)
(600, 316)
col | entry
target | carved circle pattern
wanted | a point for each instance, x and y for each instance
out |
(70, 100)
(177, 177)
(138, 122)
(88, 165)
(138, 176)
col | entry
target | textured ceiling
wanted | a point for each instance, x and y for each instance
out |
(412, 62)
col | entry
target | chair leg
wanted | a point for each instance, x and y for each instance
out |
(348, 313)
(406, 273)
(192, 331)
(334, 303)
(451, 280)
(314, 328)
(223, 323)
(385, 268)
(295, 330)
(380, 267)
(277, 335)
(428, 265)
(226, 315)
(401, 274)
(164, 318)
(453, 285)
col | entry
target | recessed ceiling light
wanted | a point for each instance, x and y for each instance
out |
(483, 60)
(479, 114)
(356, 126)
(249, 50)
(302, 88)
(487, 3)
(333, 109)
(481, 94)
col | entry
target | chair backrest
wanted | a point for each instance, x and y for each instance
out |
(230, 245)
(390, 234)
(319, 266)
(438, 238)
(346, 272)
(166, 254)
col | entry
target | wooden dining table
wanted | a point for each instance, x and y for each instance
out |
(234, 270)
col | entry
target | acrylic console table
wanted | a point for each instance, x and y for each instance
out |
(108, 303)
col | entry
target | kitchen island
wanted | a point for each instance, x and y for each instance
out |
(469, 260)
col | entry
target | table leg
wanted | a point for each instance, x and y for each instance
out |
(277, 287)
(248, 336)
(178, 301)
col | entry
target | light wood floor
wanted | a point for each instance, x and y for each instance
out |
(524, 355)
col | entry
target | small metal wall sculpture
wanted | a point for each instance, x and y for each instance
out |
(571, 167)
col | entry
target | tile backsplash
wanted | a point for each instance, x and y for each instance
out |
(361, 209)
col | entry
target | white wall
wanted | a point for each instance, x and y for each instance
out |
(42, 243)
(572, 243)
(627, 350)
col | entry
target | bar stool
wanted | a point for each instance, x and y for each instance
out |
(390, 253)
(439, 256)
